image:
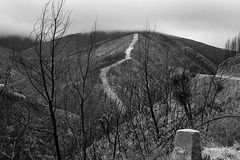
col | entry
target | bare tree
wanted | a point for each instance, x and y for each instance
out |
(232, 46)
(148, 86)
(80, 84)
(160, 94)
(43, 67)
(227, 49)
(238, 42)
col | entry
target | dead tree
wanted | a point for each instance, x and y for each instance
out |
(43, 65)
(80, 86)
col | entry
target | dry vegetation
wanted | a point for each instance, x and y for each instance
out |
(136, 136)
(67, 115)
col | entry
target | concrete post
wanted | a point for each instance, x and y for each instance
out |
(187, 145)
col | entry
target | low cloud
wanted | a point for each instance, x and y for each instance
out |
(208, 21)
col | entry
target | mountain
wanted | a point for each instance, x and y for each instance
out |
(27, 124)
(197, 53)
(180, 54)
(106, 52)
(110, 48)
(214, 54)
(125, 73)
(80, 41)
(16, 43)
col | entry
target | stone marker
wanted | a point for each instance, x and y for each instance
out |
(187, 145)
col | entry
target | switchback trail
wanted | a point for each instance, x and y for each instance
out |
(106, 86)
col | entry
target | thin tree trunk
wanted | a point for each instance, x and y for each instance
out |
(55, 134)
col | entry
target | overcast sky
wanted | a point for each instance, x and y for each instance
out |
(208, 21)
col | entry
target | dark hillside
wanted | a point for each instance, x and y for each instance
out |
(155, 78)
(111, 48)
(5, 53)
(75, 42)
(164, 54)
(26, 128)
(184, 55)
(5, 63)
(104, 55)
(216, 55)
(17, 43)
(100, 38)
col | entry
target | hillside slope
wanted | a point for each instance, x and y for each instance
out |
(200, 58)
(26, 128)
(5, 64)
(73, 43)
(214, 54)
(230, 67)
(110, 49)
(5, 54)
(151, 61)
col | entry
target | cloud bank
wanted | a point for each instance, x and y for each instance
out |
(209, 21)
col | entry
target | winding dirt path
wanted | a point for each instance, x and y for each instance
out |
(106, 86)
(220, 76)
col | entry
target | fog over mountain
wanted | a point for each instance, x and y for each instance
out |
(211, 22)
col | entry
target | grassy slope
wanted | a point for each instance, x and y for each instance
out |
(230, 66)
(131, 70)
(5, 53)
(214, 54)
(30, 122)
(221, 141)
(194, 55)
(227, 97)
(41, 144)
(222, 153)
(81, 41)
(5, 64)
(184, 55)
(163, 47)
(111, 51)
(106, 54)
